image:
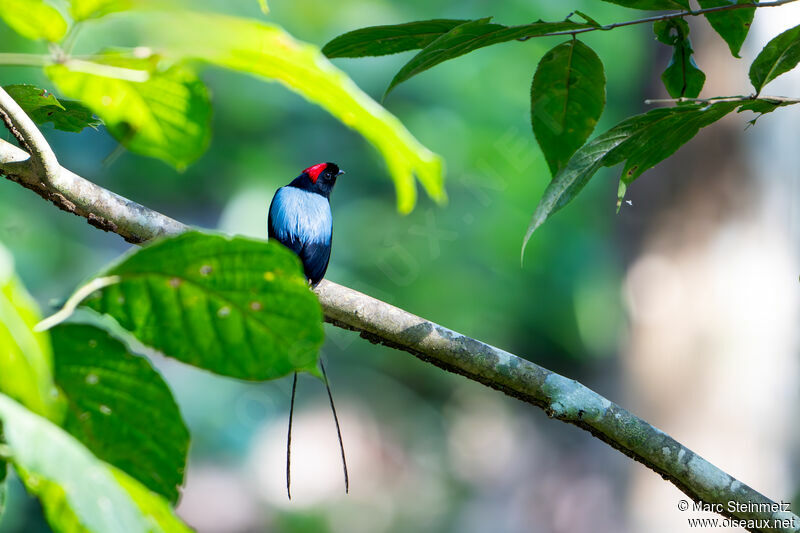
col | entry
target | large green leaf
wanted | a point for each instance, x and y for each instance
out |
(237, 307)
(655, 5)
(780, 55)
(681, 78)
(34, 19)
(567, 98)
(641, 141)
(471, 36)
(167, 116)
(732, 25)
(120, 408)
(25, 355)
(269, 52)
(87, 9)
(391, 39)
(43, 107)
(79, 493)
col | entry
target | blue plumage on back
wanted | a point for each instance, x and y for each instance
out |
(301, 220)
(295, 213)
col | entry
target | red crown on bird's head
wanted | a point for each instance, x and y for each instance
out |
(314, 171)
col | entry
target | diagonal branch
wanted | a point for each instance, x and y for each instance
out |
(379, 322)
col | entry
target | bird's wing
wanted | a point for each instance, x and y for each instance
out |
(315, 257)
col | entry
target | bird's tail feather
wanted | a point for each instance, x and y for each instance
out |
(338, 434)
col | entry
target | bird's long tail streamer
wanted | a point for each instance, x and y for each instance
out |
(289, 441)
(338, 429)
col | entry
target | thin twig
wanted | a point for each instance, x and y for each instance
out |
(26, 60)
(715, 99)
(666, 16)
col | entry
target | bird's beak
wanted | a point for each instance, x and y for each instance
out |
(340, 172)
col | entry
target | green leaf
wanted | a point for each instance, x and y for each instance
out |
(780, 55)
(153, 506)
(79, 493)
(34, 19)
(88, 9)
(237, 307)
(681, 78)
(72, 116)
(762, 107)
(120, 407)
(63, 518)
(654, 5)
(731, 25)
(471, 36)
(391, 39)
(44, 107)
(567, 98)
(167, 116)
(641, 141)
(269, 52)
(25, 355)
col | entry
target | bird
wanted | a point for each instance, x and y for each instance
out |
(300, 218)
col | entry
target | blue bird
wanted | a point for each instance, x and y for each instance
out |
(300, 218)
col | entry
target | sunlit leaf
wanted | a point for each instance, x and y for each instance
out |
(681, 78)
(262, 4)
(390, 39)
(78, 492)
(87, 9)
(34, 19)
(44, 107)
(120, 407)
(471, 36)
(237, 307)
(167, 116)
(269, 52)
(641, 142)
(655, 5)
(732, 25)
(567, 98)
(780, 55)
(25, 355)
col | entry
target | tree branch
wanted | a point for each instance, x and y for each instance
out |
(379, 322)
(43, 160)
(785, 100)
(102, 208)
(666, 16)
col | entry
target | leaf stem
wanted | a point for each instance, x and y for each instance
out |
(74, 301)
(666, 16)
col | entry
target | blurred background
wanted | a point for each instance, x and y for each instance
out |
(682, 308)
